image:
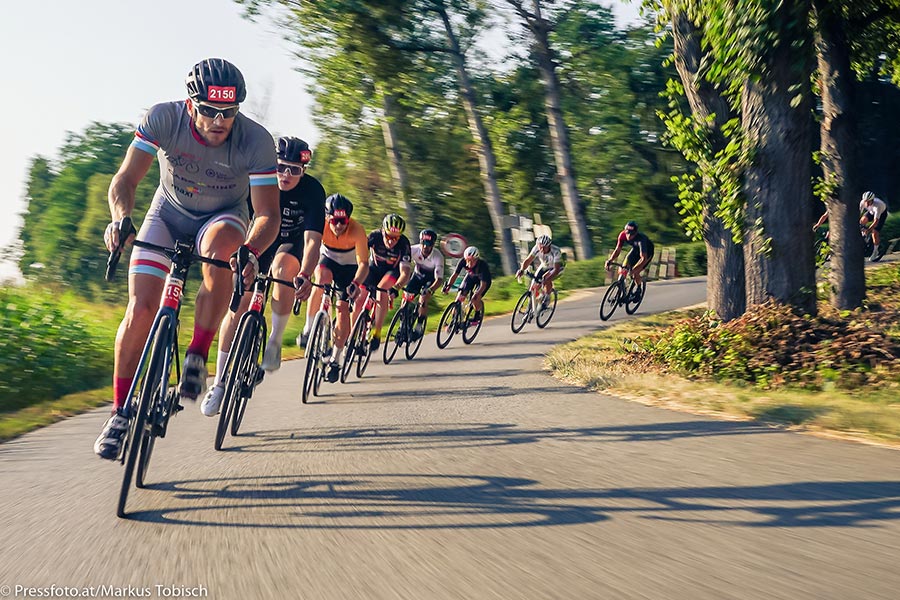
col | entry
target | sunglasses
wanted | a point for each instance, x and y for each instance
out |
(388, 236)
(340, 220)
(630, 231)
(292, 169)
(213, 112)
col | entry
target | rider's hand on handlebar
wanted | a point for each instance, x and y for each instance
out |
(606, 264)
(302, 287)
(250, 269)
(519, 274)
(393, 293)
(352, 290)
(111, 236)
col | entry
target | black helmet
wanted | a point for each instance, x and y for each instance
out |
(427, 237)
(631, 224)
(293, 150)
(338, 202)
(216, 80)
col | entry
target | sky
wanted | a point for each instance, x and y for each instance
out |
(66, 64)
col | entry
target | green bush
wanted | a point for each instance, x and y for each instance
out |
(690, 258)
(46, 350)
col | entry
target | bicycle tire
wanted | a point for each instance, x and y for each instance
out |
(253, 339)
(233, 382)
(522, 311)
(159, 410)
(543, 316)
(630, 305)
(312, 358)
(350, 348)
(610, 300)
(137, 426)
(325, 349)
(397, 335)
(412, 347)
(364, 350)
(468, 334)
(448, 325)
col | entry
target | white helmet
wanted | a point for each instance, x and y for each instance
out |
(471, 252)
(544, 240)
(867, 196)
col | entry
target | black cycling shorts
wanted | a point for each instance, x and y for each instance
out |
(418, 283)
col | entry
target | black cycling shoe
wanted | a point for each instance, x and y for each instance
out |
(109, 443)
(334, 372)
(193, 377)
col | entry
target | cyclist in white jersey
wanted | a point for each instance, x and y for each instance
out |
(550, 263)
(428, 273)
(211, 159)
(874, 213)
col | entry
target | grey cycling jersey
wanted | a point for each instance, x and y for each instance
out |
(199, 179)
(548, 260)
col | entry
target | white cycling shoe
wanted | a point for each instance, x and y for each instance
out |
(272, 358)
(213, 400)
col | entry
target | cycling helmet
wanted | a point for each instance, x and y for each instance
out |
(216, 80)
(471, 252)
(393, 224)
(293, 150)
(631, 224)
(427, 237)
(544, 240)
(340, 204)
(867, 196)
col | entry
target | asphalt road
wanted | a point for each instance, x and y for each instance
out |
(465, 473)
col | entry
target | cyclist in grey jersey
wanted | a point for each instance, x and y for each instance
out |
(428, 273)
(211, 158)
(550, 263)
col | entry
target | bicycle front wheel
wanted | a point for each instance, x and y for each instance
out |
(469, 331)
(412, 347)
(364, 353)
(354, 345)
(313, 358)
(545, 313)
(611, 300)
(325, 345)
(449, 323)
(251, 376)
(521, 313)
(631, 305)
(151, 390)
(397, 335)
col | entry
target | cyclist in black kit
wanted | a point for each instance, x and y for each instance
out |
(478, 278)
(640, 254)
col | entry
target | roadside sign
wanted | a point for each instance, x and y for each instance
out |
(453, 245)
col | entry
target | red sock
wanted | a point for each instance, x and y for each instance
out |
(121, 385)
(201, 341)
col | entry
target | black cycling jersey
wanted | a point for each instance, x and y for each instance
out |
(302, 209)
(640, 242)
(382, 256)
(480, 270)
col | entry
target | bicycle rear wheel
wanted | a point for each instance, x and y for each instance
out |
(449, 323)
(326, 344)
(522, 312)
(631, 305)
(611, 300)
(412, 347)
(313, 359)
(397, 335)
(351, 348)
(364, 351)
(544, 314)
(469, 332)
(152, 387)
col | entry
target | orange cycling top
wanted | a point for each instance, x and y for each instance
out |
(351, 248)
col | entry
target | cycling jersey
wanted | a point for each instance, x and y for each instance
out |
(478, 272)
(199, 179)
(641, 243)
(877, 212)
(382, 256)
(302, 210)
(430, 267)
(351, 248)
(547, 261)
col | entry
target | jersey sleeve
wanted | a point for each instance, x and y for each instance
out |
(260, 154)
(622, 239)
(314, 211)
(157, 128)
(362, 246)
(438, 264)
(406, 252)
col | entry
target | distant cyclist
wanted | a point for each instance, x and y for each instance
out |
(295, 252)
(211, 158)
(640, 254)
(478, 278)
(428, 274)
(389, 265)
(874, 214)
(550, 263)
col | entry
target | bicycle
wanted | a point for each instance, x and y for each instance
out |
(533, 297)
(403, 329)
(321, 340)
(151, 399)
(616, 294)
(242, 371)
(359, 342)
(452, 321)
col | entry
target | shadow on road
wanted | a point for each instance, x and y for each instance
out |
(415, 501)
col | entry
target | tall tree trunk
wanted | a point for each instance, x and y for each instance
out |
(725, 287)
(395, 160)
(486, 160)
(839, 158)
(778, 248)
(559, 135)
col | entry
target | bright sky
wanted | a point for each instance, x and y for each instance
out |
(68, 63)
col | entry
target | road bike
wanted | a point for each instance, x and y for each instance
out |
(617, 294)
(242, 371)
(535, 304)
(359, 343)
(321, 341)
(153, 398)
(405, 329)
(452, 321)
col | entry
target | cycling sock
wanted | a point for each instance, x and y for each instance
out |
(279, 324)
(377, 334)
(221, 363)
(201, 341)
(121, 385)
(336, 354)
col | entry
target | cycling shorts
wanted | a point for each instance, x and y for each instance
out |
(635, 255)
(471, 283)
(294, 248)
(342, 275)
(419, 282)
(377, 273)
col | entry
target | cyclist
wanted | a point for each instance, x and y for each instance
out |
(211, 158)
(874, 214)
(389, 265)
(428, 274)
(638, 257)
(295, 251)
(345, 263)
(478, 278)
(550, 263)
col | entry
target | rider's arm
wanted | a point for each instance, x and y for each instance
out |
(615, 252)
(821, 221)
(266, 219)
(405, 273)
(124, 183)
(526, 263)
(312, 244)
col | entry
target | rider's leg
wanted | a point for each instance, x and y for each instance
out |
(285, 266)
(226, 336)
(144, 291)
(386, 283)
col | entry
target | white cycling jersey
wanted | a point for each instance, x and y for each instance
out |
(549, 259)
(877, 209)
(430, 266)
